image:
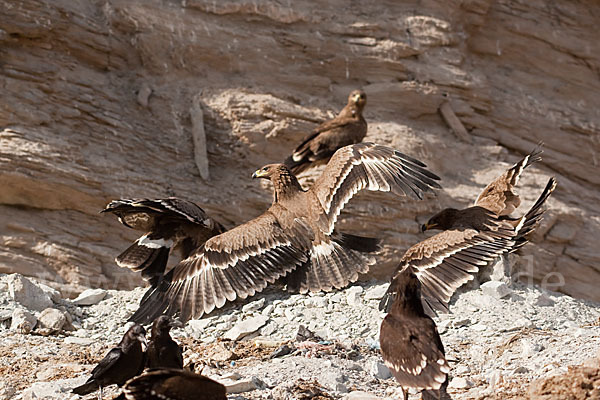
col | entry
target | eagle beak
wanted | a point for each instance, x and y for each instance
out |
(427, 226)
(175, 323)
(258, 174)
(142, 340)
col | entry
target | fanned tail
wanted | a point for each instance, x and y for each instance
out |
(334, 264)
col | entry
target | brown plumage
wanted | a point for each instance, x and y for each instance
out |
(169, 223)
(348, 127)
(163, 351)
(410, 344)
(472, 238)
(172, 384)
(295, 233)
(120, 364)
(499, 196)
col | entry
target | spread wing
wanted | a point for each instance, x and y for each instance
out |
(167, 222)
(499, 196)
(368, 166)
(130, 211)
(412, 349)
(448, 260)
(235, 264)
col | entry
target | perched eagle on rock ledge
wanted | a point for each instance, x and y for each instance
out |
(296, 234)
(348, 127)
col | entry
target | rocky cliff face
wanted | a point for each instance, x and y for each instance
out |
(102, 100)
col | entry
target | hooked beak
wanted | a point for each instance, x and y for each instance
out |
(142, 339)
(175, 323)
(259, 173)
(427, 226)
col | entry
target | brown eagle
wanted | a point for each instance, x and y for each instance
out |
(120, 364)
(410, 344)
(169, 223)
(348, 127)
(295, 233)
(172, 384)
(471, 238)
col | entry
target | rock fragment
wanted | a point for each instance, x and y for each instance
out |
(376, 292)
(353, 295)
(360, 395)
(246, 327)
(197, 327)
(242, 385)
(90, 297)
(79, 340)
(460, 383)
(495, 289)
(379, 370)
(51, 321)
(543, 300)
(253, 306)
(22, 321)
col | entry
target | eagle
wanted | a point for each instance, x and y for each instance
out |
(410, 344)
(163, 351)
(471, 238)
(348, 127)
(172, 384)
(120, 364)
(295, 234)
(169, 223)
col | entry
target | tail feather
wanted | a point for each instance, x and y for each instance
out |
(358, 243)
(533, 157)
(533, 216)
(154, 303)
(334, 264)
(88, 387)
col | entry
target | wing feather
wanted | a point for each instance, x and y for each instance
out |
(373, 167)
(499, 196)
(449, 259)
(235, 264)
(413, 351)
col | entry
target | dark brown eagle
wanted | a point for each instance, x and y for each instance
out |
(348, 127)
(295, 233)
(163, 351)
(410, 344)
(172, 384)
(120, 364)
(167, 223)
(472, 238)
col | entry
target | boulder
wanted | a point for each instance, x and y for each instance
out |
(27, 293)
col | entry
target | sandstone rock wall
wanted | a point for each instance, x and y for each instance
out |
(106, 99)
